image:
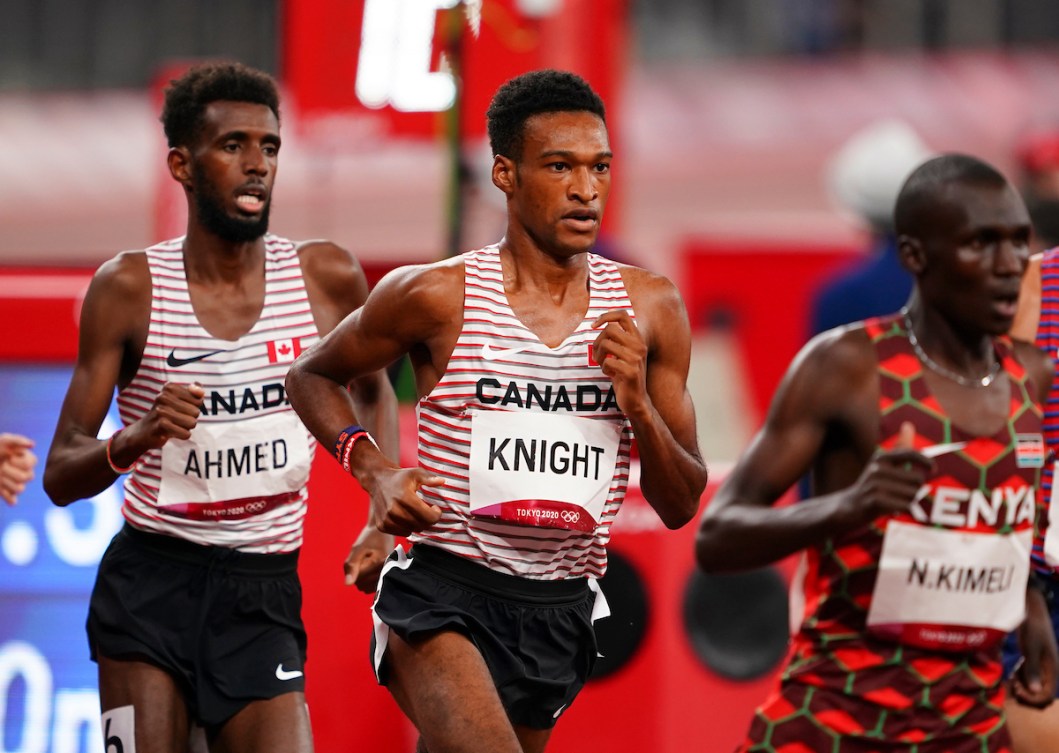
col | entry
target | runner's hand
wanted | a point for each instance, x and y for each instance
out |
(891, 479)
(366, 557)
(174, 413)
(16, 465)
(621, 353)
(398, 508)
(1033, 683)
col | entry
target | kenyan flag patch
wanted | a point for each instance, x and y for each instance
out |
(1029, 450)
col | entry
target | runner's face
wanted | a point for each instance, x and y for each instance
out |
(562, 181)
(976, 255)
(234, 167)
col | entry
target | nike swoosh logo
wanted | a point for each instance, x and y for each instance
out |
(283, 674)
(489, 353)
(942, 449)
(175, 363)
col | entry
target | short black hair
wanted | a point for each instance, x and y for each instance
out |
(187, 97)
(531, 94)
(924, 188)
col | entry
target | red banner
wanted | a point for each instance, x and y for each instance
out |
(388, 63)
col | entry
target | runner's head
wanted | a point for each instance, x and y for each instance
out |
(963, 232)
(222, 123)
(552, 161)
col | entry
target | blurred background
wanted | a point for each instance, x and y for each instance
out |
(759, 145)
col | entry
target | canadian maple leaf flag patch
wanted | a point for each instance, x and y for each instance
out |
(282, 351)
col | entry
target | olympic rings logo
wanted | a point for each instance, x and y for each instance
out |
(256, 506)
(570, 517)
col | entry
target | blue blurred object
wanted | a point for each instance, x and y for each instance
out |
(879, 285)
(48, 560)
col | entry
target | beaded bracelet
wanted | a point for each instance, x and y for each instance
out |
(347, 438)
(110, 461)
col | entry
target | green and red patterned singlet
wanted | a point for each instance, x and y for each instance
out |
(898, 648)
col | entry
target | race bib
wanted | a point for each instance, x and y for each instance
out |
(235, 469)
(542, 469)
(949, 590)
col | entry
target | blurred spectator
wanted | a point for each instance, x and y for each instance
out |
(1038, 158)
(864, 177)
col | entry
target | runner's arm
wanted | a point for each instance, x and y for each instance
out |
(1028, 313)
(827, 389)
(1034, 681)
(650, 375)
(112, 331)
(336, 285)
(407, 311)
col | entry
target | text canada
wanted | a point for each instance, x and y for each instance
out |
(585, 398)
(235, 402)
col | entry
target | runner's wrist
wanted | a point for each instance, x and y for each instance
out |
(848, 512)
(118, 456)
(641, 413)
(345, 448)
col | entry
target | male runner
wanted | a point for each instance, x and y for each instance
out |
(1037, 321)
(923, 433)
(195, 616)
(536, 363)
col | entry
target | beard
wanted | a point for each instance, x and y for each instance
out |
(212, 216)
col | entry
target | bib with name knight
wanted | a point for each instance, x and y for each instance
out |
(952, 571)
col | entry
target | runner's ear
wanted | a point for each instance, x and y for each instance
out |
(910, 252)
(179, 162)
(504, 174)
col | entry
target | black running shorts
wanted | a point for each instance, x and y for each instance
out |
(225, 624)
(536, 636)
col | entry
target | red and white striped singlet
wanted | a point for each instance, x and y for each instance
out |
(240, 480)
(1046, 546)
(498, 366)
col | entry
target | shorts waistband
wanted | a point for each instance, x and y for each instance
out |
(470, 574)
(224, 558)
